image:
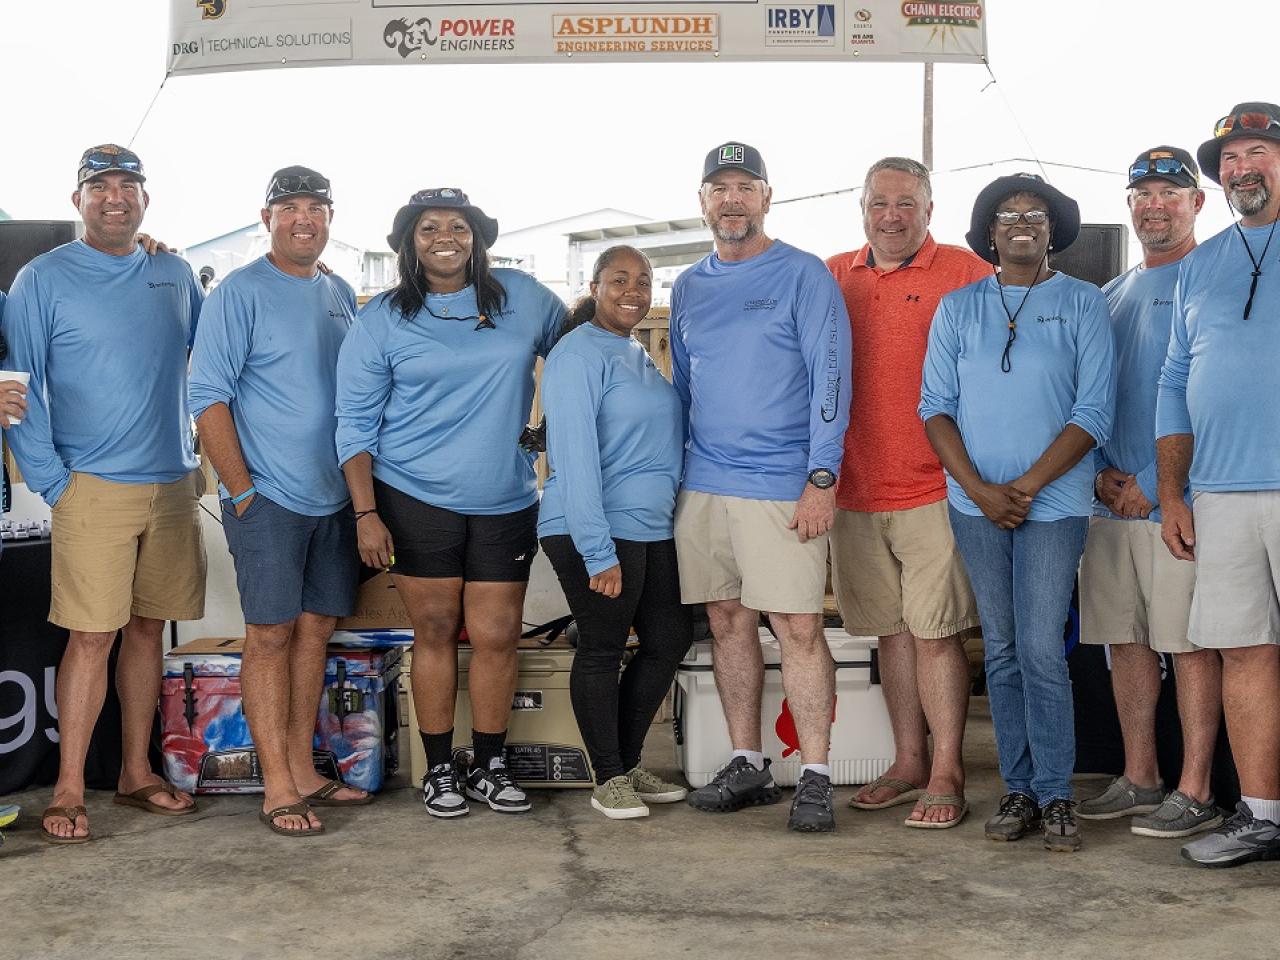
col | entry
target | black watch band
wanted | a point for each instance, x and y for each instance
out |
(822, 478)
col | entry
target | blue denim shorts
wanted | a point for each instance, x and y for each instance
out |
(287, 563)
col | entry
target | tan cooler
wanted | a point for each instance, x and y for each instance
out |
(544, 747)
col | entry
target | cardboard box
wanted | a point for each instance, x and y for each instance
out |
(378, 606)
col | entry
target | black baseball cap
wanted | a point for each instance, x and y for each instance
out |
(298, 181)
(109, 158)
(1167, 163)
(734, 156)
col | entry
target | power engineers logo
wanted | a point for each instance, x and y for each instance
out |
(450, 35)
(803, 25)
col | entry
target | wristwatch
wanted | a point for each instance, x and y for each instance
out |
(822, 478)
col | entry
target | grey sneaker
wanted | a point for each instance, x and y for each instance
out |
(736, 785)
(1061, 835)
(1018, 814)
(617, 800)
(653, 789)
(812, 810)
(1242, 839)
(1122, 798)
(1178, 816)
(442, 793)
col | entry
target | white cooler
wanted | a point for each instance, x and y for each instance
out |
(861, 739)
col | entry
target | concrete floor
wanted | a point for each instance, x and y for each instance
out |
(387, 881)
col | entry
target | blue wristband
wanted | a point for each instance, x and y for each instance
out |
(236, 501)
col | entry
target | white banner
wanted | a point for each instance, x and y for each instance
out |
(211, 35)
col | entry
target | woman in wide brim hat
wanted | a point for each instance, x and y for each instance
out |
(435, 384)
(1018, 387)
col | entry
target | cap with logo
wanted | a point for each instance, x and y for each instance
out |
(298, 181)
(446, 198)
(109, 158)
(1252, 120)
(734, 156)
(1167, 163)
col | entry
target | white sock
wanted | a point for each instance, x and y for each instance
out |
(1264, 809)
(754, 757)
(822, 768)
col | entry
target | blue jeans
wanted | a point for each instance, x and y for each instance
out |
(1022, 579)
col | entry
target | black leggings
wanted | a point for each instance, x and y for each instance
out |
(614, 716)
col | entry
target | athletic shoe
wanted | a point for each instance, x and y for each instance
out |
(653, 789)
(1179, 816)
(812, 810)
(442, 794)
(736, 785)
(1018, 814)
(1061, 835)
(1122, 798)
(1242, 839)
(617, 799)
(497, 788)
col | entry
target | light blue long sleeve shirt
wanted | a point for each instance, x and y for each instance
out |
(615, 442)
(1141, 306)
(760, 353)
(105, 339)
(1063, 371)
(268, 348)
(439, 404)
(1221, 378)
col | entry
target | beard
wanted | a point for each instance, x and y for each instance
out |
(1248, 202)
(726, 234)
(1164, 239)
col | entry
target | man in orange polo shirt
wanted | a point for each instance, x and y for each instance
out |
(896, 570)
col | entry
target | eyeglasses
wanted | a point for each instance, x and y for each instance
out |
(452, 194)
(291, 184)
(1163, 166)
(1247, 121)
(111, 159)
(1007, 218)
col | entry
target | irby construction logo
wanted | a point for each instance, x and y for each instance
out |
(812, 25)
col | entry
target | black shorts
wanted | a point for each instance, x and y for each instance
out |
(433, 542)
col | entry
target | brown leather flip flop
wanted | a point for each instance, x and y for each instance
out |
(66, 813)
(905, 793)
(324, 797)
(299, 809)
(141, 799)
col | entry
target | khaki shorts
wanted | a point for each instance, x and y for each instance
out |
(731, 548)
(1132, 589)
(126, 548)
(1237, 569)
(899, 570)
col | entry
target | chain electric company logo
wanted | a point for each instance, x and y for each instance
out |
(810, 25)
(944, 20)
(211, 9)
(636, 33)
(450, 35)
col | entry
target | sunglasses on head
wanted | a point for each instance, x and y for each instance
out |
(104, 160)
(300, 183)
(1008, 218)
(439, 193)
(1255, 120)
(1162, 166)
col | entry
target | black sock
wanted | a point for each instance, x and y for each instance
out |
(439, 747)
(487, 746)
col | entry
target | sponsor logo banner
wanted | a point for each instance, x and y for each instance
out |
(231, 44)
(636, 33)
(806, 25)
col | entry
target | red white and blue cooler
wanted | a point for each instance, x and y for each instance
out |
(206, 741)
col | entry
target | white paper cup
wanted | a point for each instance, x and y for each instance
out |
(24, 378)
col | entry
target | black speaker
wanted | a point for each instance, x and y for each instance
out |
(21, 241)
(1099, 255)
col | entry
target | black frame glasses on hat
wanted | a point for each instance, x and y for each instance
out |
(1253, 119)
(1166, 163)
(298, 182)
(108, 158)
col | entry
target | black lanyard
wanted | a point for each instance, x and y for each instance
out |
(1005, 364)
(1257, 264)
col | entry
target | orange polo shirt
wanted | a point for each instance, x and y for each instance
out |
(888, 462)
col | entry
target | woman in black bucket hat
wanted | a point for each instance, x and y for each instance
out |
(435, 384)
(1018, 387)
